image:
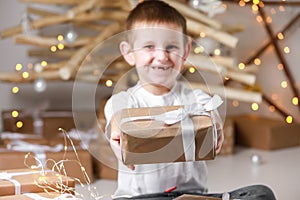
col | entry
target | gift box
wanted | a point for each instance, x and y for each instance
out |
(73, 169)
(229, 137)
(37, 196)
(46, 123)
(266, 133)
(144, 140)
(19, 181)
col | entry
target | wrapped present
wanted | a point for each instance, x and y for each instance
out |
(19, 181)
(266, 133)
(38, 196)
(44, 123)
(229, 137)
(48, 156)
(167, 134)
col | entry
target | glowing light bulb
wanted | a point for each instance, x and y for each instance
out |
(272, 108)
(15, 90)
(202, 34)
(14, 113)
(38, 67)
(257, 61)
(254, 106)
(18, 67)
(19, 124)
(280, 66)
(192, 70)
(241, 66)
(60, 38)
(242, 3)
(60, 46)
(280, 36)
(108, 83)
(199, 49)
(53, 48)
(289, 119)
(286, 50)
(44, 63)
(295, 101)
(217, 52)
(283, 84)
(25, 75)
(71, 36)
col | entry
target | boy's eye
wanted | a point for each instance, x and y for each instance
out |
(172, 47)
(150, 47)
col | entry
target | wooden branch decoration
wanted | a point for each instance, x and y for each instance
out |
(73, 64)
(66, 53)
(208, 65)
(229, 93)
(80, 8)
(16, 77)
(58, 2)
(195, 27)
(194, 14)
(48, 42)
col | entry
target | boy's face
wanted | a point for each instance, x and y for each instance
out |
(158, 52)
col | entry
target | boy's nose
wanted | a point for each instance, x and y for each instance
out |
(161, 55)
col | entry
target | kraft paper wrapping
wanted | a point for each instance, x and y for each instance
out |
(27, 180)
(151, 141)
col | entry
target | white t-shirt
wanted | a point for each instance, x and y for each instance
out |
(156, 178)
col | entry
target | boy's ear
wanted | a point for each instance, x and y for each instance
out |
(127, 53)
(188, 47)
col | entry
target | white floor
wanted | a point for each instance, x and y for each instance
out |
(280, 170)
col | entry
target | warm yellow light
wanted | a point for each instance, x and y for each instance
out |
(202, 34)
(14, 113)
(254, 106)
(18, 67)
(289, 119)
(217, 52)
(60, 46)
(283, 84)
(241, 66)
(259, 19)
(295, 101)
(280, 66)
(60, 38)
(269, 19)
(15, 90)
(272, 108)
(286, 50)
(108, 83)
(25, 75)
(44, 63)
(280, 36)
(19, 124)
(199, 49)
(256, 2)
(226, 78)
(53, 48)
(192, 70)
(242, 3)
(254, 7)
(246, 1)
(261, 4)
(257, 61)
(235, 103)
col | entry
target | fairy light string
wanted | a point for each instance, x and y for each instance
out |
(56, 179)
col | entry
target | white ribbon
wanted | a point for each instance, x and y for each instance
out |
(9, 177)
(183, 115)
(35, 196)
(37, 149)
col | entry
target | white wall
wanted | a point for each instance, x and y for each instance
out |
(59, 94)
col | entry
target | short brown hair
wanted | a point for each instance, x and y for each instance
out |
(155, 11)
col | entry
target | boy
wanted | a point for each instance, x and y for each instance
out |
(157, 46)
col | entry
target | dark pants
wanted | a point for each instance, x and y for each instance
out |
(253, 192)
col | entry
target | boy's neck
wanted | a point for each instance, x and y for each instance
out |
(156, 89)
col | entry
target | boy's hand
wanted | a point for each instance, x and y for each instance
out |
(115, 141)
